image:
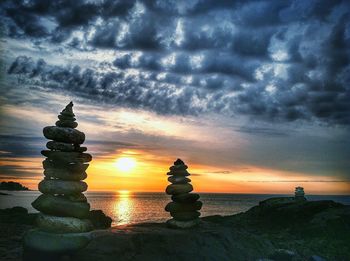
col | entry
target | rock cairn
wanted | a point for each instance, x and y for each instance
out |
(185, 206)
(64, 209)
(299, 194)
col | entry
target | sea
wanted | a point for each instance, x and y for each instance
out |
(126, 207)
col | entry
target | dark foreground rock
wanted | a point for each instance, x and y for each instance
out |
(277, 229)
(16, 221)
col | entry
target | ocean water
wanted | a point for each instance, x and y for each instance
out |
(128, 207)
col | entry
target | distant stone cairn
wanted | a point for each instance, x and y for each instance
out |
(299, 194)
(185, 206)
(62, 222)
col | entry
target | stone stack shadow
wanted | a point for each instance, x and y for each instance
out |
(185, 206)
(63, 221)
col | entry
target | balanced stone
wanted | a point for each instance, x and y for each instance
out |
(64, 222)
(67, 157)
(62, 187)
(174, 189)
(79, 197)
(180, 173)
(55, 224)
(68, 124)
(173, 223)
(183, 207)
(60, 206)
(62, 134)
(66, 118)
(74, 168)
(62, 146)
(185, 216)
(185, 198)
(68, 111)
(178, 167)
(64, 174)
(178, 179)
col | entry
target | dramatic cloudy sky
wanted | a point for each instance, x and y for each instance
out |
(253, 95)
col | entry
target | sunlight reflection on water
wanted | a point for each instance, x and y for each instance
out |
(123, 207)
(135, 207)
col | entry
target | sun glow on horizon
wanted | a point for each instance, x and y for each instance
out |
(125, 164)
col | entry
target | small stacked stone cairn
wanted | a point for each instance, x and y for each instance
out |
(185, 206)
(299, 194)
(62, 223)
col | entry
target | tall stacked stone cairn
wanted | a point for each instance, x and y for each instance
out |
(185, 206)
(299, 194)
(62, 224)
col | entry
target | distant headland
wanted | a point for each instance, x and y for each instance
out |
(12, 186)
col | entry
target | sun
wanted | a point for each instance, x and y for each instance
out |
(125, 164)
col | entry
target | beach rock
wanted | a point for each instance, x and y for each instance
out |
(68, 124)
(62, 134)
(175, 189)
(99, 219)
(71, 167)
(178, 173)
(179, 162)
(64, 174)
(60, 206)
(62, 146)
(55, 243)
(66, 118)
(67, 157)
(80, 197)
(60, 225)
(173, 223)
(68, 110)
(178, 180)
(185, 216)
(183, 207)
(185, 198)
(62, 187)
(178, 167)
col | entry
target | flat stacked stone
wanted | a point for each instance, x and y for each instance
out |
(299, 194)
(63, 206)
(185, 206)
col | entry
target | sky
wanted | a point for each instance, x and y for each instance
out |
(254, 96)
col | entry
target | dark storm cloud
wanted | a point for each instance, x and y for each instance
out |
(270, 60)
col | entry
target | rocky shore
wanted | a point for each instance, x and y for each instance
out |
(276, 229)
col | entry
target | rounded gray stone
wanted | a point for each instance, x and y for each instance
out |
(55, 224)
(61, 187)
(178, 167)
(173, 223)
(66, 118)
(62, 146)
(67, 124)
(75, 167)
(183, 207)
(185, 216)
(64, 174)
(60, 206)
(185, 198)
(178, 180)
(67, 157)
(62, 134)
(80, 197)
(175, 189)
